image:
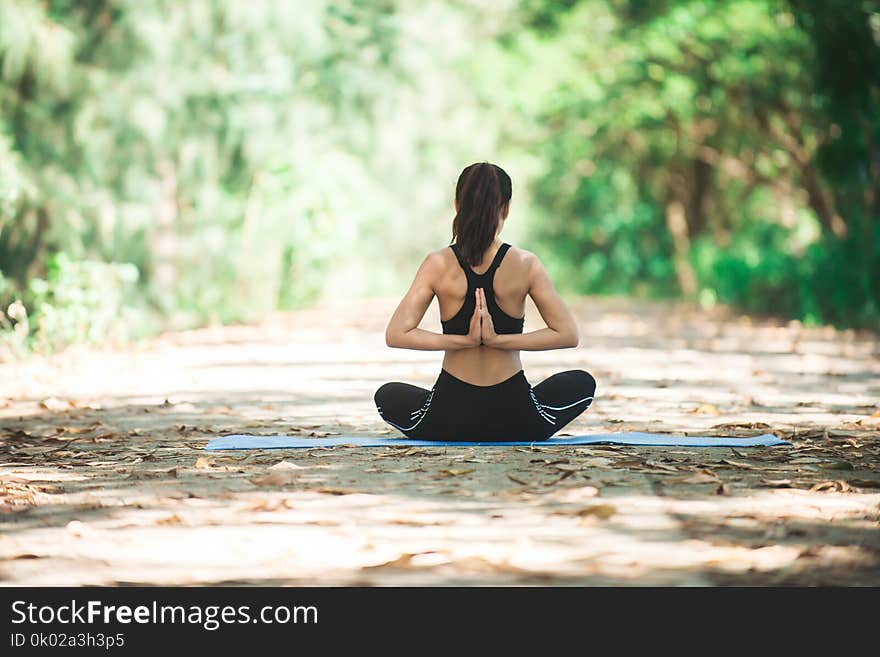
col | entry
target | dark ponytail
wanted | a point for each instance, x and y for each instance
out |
(482, 192)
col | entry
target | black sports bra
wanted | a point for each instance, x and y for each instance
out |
(460, 322)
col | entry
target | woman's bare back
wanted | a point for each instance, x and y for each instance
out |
(483, 365)
(481, 356)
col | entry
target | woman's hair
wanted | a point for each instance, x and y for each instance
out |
(482, 192)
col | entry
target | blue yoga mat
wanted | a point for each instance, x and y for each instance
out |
(242, 441)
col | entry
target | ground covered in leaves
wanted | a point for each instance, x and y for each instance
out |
(103, 479)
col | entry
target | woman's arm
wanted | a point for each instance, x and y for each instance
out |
(403, 331)
(561, 331)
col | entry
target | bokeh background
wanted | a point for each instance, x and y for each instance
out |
(170, 164)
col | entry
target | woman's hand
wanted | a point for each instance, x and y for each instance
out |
(488, 336)
(474, 331)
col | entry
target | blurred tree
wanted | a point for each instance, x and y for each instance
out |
(712, 136)
(250, 156)
(241, 155)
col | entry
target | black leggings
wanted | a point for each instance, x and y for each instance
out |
(512, 410)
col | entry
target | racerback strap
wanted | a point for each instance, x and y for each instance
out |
(496, 261)
(499, 256)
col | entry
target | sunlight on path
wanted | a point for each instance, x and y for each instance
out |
(103, 479)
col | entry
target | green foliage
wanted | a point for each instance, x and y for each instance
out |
(79, 302)
(244, 157)
(724, 150)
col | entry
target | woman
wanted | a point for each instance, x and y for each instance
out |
(481, 284)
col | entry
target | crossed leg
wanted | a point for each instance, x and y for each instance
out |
(402, 405)
(563, 396)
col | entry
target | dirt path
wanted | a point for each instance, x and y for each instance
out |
(103, 479)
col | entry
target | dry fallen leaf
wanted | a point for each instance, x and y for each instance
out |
(282, 466)
(698, 477)
(268, 505)
(836, 465)
(406, 559)
(565, 475)
(237, 459)
(395, 451)
(173, 519)
(93, 406)
(661, 466)
(452, 472)
(601, 511)
(777, 483)
(281, 477)
(737, 464)
(55, 404)
(596, 462)
(742, 425)
(629, 462)
(833, 486)
(864, 483)
(329, 490)
(79, 430)
(575, 495)
(415, 522)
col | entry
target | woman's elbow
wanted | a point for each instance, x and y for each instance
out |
(566, 338)
(396, 338)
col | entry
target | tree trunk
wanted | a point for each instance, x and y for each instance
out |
(678, 228)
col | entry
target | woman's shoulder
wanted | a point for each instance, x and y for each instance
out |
(522, 257)
(438, 263)
(439, 257)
